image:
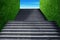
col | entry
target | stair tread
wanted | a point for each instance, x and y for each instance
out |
(28, 21)
(29, 39)
(28, 36)
(32, 32)
(28, 30)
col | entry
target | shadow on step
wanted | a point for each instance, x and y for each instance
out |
(58, 29)
(23, 14)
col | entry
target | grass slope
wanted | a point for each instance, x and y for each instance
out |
(8, 11)
(51, 9)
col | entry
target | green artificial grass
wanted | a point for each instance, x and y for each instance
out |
(51, 9)
(8, 11)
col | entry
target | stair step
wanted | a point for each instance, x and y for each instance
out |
(17, 29)
(42, 22)
(28, 27)
(28, 24)
(29, 30)
(28, 36)
(29, 39)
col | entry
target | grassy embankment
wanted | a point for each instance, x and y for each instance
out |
(51, 9)
(8, 11)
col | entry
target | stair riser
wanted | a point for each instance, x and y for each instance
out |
(26, 34)
(29, 24)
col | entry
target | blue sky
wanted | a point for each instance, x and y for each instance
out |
(29, 4)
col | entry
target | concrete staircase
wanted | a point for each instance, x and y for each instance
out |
(30, 25)
(18, 30)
